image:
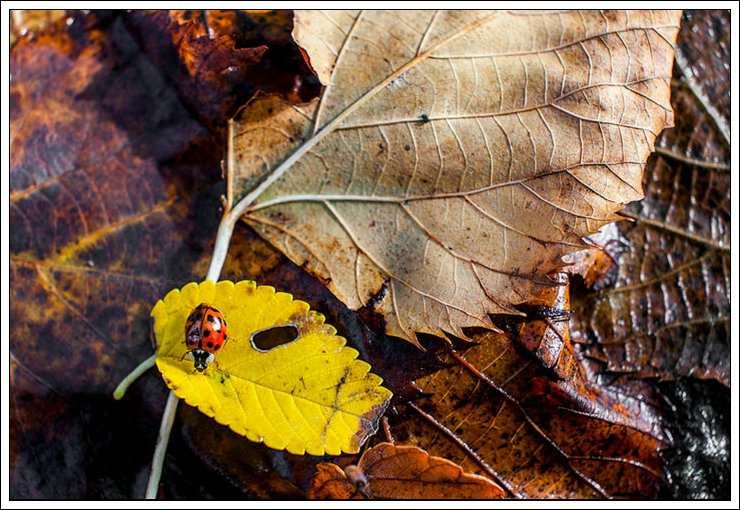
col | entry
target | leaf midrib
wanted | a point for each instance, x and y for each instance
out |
(245, 202)
(286, 392)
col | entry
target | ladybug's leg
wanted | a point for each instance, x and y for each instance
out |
(224, 373)
(216, 367)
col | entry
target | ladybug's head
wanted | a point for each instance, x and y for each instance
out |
(201, 359)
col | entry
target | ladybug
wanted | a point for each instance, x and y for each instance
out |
(205, 335)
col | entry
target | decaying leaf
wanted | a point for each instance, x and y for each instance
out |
(305, 395)
(667, 313)
(29, 21)
(387, 471)
(106, 170)
(497, 413)
(212, 75)
(453, 157)
(331, 482)
(545, 332)
(98, 225)
(217, 59)
(252, 469)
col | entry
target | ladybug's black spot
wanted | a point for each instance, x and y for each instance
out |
(210, 344)
(211, 318)
(207, 333)
(217, 347)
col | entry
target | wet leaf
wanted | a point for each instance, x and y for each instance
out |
(251, 468)
(211, 74)
(497, 413)
(309, 395)
(97, 222)
(699, 458)
(453, 157)
(111, 187)
(667, 313)
(218, 59)
(387, 471)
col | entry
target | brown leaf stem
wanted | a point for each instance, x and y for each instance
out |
(592, 483)
(692, 161)
(459, 442)
(718, 245)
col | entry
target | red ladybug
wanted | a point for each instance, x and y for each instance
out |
(205, 335)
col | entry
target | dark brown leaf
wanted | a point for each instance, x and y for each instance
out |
(111, 192)
(253, 469)
(496, 412)
(668, 313)
(211, 74)
(218, 59)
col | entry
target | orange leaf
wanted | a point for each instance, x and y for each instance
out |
(330, 482)
(387, 471)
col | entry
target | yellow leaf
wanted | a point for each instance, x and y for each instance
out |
(309, 395)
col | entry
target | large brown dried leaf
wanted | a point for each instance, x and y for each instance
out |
(667, 312)
(455, 156)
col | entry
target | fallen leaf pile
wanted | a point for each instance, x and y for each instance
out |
(448, 178)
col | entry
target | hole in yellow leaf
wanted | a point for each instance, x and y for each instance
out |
(267, 339)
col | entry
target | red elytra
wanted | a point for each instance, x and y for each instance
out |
(205, 334)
